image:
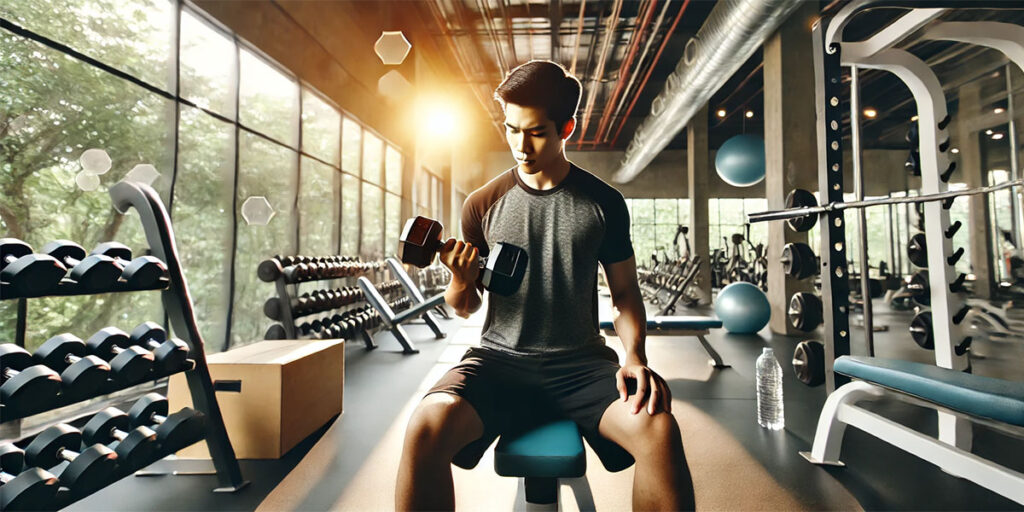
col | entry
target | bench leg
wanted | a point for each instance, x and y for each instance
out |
(716, 360)
(540, 490)
(828, 438)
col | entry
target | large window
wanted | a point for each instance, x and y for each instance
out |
(245, 128)
(653, 226)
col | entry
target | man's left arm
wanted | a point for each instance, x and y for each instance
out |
(630, 320)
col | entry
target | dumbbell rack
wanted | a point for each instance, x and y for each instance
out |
(177, 301)
(178, 305)
(287, 292)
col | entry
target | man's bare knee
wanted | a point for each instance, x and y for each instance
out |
(441, 425)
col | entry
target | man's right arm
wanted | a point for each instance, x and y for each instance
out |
(463, 294)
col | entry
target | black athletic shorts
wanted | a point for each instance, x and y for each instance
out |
(512, 393)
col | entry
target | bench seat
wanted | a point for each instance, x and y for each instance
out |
(975, 395)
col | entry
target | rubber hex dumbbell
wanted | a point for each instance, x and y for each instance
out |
(24, 384)
(87, 470)
(173, 432)
(135, 448)
(83, 375)
(141, 272)
(170, 355)
(130, 364)
(92, 273)
(31, 489)
(503, 269)
(25, 273)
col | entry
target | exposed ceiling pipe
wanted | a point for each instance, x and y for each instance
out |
(507, 20)
(442, 23)
(654, 63)
(579, 35)
(485, 17)
(613, 21)
(643, 58)
(625, 69)
(733, 31)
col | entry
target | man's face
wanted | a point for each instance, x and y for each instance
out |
(534, 139)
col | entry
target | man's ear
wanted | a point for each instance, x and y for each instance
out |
(568, 128)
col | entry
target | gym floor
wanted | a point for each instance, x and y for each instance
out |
(350, 464)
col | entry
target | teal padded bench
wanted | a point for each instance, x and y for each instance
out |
(541, 456)
(697, 326)
(996, 403)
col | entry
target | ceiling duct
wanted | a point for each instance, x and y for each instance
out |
(731, 34)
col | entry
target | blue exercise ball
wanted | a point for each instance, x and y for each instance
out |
(743, 308)
(740, 161)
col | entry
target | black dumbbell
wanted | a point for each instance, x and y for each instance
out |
(25, 273)
(170, 355)
(141, 272)
(83, 375)
(92, 273)
(130, 364)
(88, 470)
(502, 270)
(173, 432)
(31, 489)
(135, 448)
(24, 384)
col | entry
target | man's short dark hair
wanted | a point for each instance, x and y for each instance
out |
(544, 84)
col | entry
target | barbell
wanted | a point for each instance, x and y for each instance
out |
(802, 206)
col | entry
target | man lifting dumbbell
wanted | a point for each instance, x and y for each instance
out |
(83, 375)
(130, 364)
(31, 489)
(173, 432)
(25, 273)
(87, 471)
(544, 335)
(25, 386)
(134, 449)
(502, 271)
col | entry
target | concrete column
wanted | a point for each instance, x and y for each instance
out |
(697, 169)
(971, 171)
(790, 146)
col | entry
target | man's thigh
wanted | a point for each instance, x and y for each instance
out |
(496, 387)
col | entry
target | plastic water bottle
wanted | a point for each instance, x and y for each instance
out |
(769, 392)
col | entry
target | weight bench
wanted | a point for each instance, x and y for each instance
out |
(995, 403)
(697, 326)
(541, 456)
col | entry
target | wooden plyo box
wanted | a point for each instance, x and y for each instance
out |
(289, 389)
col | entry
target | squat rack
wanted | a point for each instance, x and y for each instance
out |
(879, 52)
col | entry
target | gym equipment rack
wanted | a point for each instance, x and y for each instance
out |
(286, 295)
(177, 303)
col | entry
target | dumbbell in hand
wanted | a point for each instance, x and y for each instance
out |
(141, 272)
(89, 470)
(92, 273)
(134, 449)
(130, 364)
(24, 384)
(170, 355)
(503, 269)
(83, 375)
(31, 489)
(173, 432)
(26, 273)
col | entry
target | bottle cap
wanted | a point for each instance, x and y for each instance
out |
(766, 350)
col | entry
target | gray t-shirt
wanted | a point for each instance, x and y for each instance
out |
(566, 231)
